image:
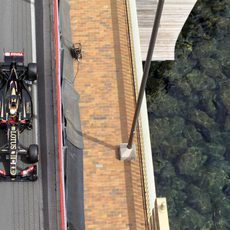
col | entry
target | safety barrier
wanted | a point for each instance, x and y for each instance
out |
(156, 208)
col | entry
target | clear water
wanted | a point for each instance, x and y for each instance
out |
(189, 113)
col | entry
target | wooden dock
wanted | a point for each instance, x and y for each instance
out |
(174, 15)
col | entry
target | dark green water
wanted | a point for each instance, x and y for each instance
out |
(189, 113)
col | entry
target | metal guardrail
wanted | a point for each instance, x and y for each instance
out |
(156, 208)
(136, 87)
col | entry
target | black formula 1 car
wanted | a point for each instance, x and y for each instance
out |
(18, 163)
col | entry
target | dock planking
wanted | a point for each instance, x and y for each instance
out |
(174, 15)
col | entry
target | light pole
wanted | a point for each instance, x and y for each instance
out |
(127, 151)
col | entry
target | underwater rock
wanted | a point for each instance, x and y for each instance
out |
(220, 163)
(216, 151)
(191, 161)
(165, 178)
(172, 73)
(211, 179)
(166, 137)
(226, 70)
(173, 146)
(169, 149)
(221, 111)
(222, 49)
(227, 155)
(225, 138)
(225, 61)
(198, 199)
(168, 171)
(201, 118)
(227, 123)
(191, 219)
(163, 128)
(203, 49)
(225, 92)
(210, 66)
(183, 65)
(184, 87)
(221, 223)
(155, 87)
(226, 190)
(223, 24)
(218, 7)
(191, 134)
(221, 210)
(206, 103)
(178, 184)
(158, 162)
(221, 138)
(165, 105)
(199, 81)
(191, 103)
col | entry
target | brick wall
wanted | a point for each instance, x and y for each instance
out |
(112, 189)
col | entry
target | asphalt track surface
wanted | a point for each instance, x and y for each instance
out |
(31, 205)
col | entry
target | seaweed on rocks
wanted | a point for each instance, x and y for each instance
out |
(189, 116)
(204, 132)
(221, 111)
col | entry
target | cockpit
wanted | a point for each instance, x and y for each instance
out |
(13, 99)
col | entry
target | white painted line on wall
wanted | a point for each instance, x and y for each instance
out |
(34, 60)
(144, 112)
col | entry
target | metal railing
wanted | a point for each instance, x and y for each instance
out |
(129, 6)
(156, 208)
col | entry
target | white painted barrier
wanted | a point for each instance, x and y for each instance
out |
(150, 191)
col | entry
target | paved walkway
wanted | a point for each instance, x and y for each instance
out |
(113, 189)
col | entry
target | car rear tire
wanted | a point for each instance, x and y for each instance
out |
(33, 154)
(32, 73)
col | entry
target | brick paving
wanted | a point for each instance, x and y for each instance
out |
(112, 189)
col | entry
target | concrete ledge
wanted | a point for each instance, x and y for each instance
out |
(126, 154)
(161, 214)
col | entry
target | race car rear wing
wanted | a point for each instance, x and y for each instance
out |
(10, 57)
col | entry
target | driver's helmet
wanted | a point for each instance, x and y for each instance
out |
(13, 104)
